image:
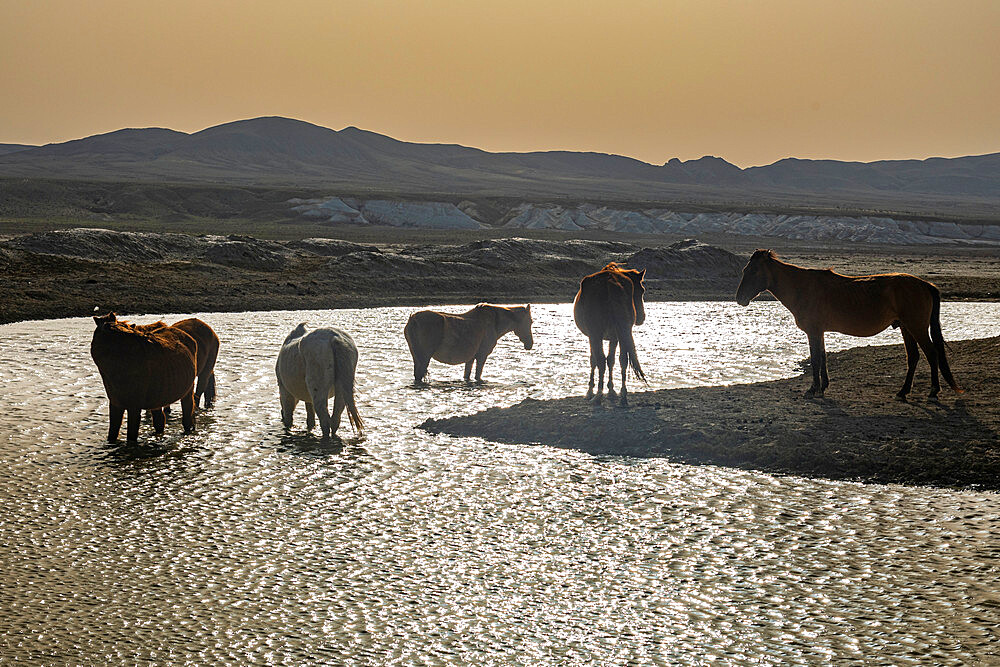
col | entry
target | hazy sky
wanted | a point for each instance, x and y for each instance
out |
(751, 82)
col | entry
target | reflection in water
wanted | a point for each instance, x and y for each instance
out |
(245, 543)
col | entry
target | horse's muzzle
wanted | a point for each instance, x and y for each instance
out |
(743, 301)
(527, 346)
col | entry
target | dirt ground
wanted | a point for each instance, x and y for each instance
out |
(39, 285)
(857, 431)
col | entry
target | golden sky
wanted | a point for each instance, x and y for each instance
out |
(751, 82)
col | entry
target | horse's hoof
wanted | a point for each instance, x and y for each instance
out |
(590, 394)
(901, 398)
(598, 399)
(623, 403)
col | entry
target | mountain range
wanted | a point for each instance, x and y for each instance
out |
(276, 151)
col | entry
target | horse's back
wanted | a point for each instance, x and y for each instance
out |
(205, 336)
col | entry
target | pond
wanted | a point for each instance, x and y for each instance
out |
(243, 543)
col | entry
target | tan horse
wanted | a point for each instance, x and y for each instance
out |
(208, 352)
(822, 300)
(463, 338)
(606, 308)
(144, 369)
(314, 367)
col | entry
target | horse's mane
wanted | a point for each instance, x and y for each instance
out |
(145, 332)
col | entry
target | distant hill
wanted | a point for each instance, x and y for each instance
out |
(276, 151)
(13, 148)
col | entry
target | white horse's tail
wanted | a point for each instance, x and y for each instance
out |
(344, 370)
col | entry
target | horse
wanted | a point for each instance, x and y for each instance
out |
(208, 352)
(607, 306)
(314, 367)
(144, 369)
(463, 338)
(822, 300)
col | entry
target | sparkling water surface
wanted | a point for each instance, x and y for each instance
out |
(244, 544)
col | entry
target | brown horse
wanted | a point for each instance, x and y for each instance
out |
(463, 338)
(144, 368)
(822, 300)
(208, 352)
(606, 308)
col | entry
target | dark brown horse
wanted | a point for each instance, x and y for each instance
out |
(606, 308)
(144, 368)
(208, 352)
(463, 338)
(822, 300)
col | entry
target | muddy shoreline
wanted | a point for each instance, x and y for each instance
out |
(856, 432)
(72, 273)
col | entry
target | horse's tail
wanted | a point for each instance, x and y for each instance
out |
(344, 369)
(623, 317)
(938, 338)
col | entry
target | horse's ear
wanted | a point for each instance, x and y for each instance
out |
(642, 274)
(528, 307)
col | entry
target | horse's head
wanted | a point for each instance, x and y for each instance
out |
(522, 325)
(638, 289)
(103, 321)
(756, 276)
(297, 332)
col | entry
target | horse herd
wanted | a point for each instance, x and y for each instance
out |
(148, 367)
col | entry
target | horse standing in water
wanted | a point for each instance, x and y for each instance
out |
(314, 367)
(822, 300)
(606, 308)
(144, 368)
(463, 338)
(208, 352)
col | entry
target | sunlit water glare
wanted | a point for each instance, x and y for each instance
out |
(245, 544)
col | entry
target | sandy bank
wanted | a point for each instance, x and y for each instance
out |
(72, 272)
(858, 431)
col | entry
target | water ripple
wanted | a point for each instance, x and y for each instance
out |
(243, 543)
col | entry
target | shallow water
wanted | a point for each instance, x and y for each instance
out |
(242, 543)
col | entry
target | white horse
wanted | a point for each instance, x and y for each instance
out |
(314, 367)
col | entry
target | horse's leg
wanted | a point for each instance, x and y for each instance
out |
(338, 410)
(611, 365)
(420, 368)
(824, 378)
(597, 359)
(816, 354)
(210, 391)
(912, 357)
(288, 403)
(468, 370)
(623, 362)
(480, 362)
(930, 352)
(116, 413)
(159, 421)
(321, 406)
(311, 416)
(132, 428)
(187, 412)
(200, 387)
